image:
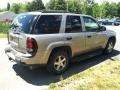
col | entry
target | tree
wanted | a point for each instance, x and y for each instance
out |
(108, 10)
(96, 10)
(23, 8)
(50, 5)
(56, 5)
(8, 6)
(35, 5)
(28, 7)
(74, 6)
(88, 6)
(118, 9)
(16, 7)
(113, 10)
(60, 5)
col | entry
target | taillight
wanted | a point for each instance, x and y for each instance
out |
(31, 45)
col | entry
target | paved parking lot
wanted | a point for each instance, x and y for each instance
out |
(15, 77)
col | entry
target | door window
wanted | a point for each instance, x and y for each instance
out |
(73, 24)
(48, 24)
(90, 24)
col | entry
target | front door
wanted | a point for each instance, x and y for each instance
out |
(94, 37)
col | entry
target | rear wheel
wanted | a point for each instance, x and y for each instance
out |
(109, 46)
(58, 62)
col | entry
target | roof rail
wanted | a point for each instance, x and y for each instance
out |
(53, 11)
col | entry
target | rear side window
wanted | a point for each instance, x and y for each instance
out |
(23, 23)
(48, 24)
(73, 24)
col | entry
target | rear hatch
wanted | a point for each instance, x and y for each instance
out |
(20, 27)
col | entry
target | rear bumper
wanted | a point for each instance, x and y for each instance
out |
(16, 56)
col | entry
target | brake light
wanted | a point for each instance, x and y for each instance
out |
(31, 45)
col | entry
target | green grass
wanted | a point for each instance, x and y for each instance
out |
(105, 76)
(4, 27)
(3, 35)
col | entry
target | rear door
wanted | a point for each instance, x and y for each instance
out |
(74, 34)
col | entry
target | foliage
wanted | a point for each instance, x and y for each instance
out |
(60, 5)
(16, 7)
(2, 10)
(51, 5)
(118, 9)
(35, 5)
(74, 6)
(56, 5)
(28, 6)
(4, 27)
(8, 6)
(96, 10)
(89, 7)
(3, 35)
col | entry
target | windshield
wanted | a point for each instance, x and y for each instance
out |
(22, 23)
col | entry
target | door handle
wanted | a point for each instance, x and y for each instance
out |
(69, 38)
(89, 36)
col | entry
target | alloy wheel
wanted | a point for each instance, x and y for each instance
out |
(60, 63)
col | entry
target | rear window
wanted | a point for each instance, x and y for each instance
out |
(48, 24)
(23, 23)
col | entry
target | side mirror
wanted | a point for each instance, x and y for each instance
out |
(102, 28)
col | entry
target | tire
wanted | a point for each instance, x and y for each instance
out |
(58, 62)
(109, 47)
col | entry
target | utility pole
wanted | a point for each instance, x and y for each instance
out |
(54, 4)
(67, 6)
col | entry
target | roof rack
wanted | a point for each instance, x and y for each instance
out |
(53, 11)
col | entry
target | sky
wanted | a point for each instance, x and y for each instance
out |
(3, 3)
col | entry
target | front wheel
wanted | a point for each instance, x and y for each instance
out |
(58, 62)
(109, 46)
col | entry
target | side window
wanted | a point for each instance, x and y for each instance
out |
(73, 24)
(90, 24)
(48, 24)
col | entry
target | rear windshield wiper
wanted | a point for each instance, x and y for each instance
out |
(14, 26)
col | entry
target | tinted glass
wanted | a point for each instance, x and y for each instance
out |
(22, 23)
(118, 19)
(48, 24)
(73, 24)
(90, 24)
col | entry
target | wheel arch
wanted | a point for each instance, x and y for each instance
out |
(112, 38)
(64, 48)
(106, 50)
